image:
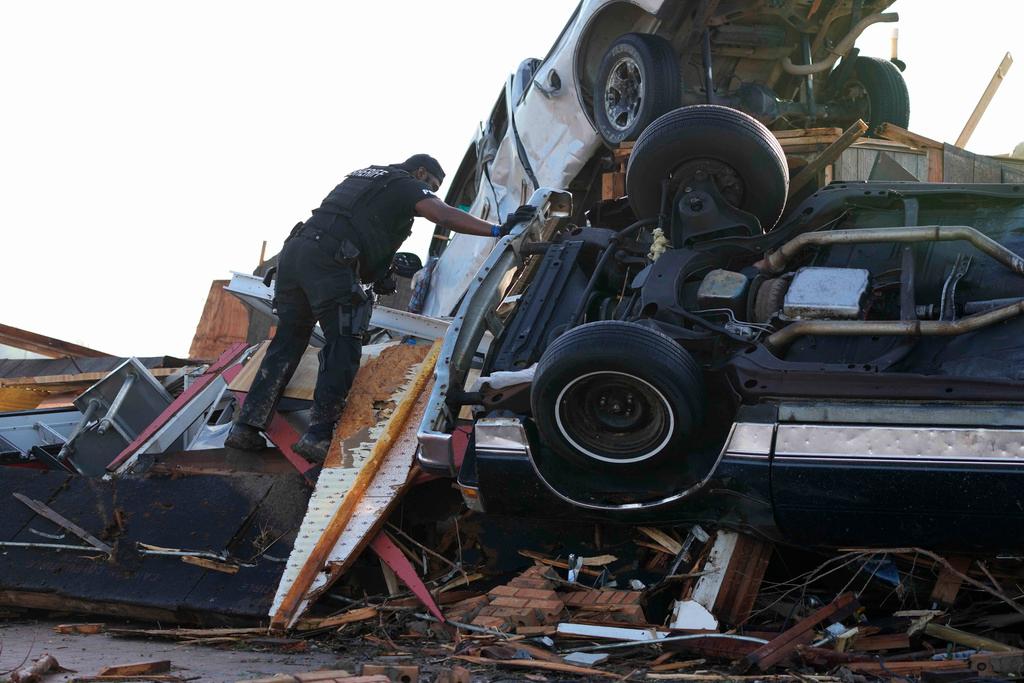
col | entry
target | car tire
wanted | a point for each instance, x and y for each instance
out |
(616, 395)
(739, 153)
(637, 81)
(877, 88)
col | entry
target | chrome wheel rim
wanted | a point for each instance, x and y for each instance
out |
(624, 93)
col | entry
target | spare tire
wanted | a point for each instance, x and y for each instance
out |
(736, 151)
(613, 394)
(637, 82)
(877, 91)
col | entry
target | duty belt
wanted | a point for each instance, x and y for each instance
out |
(344, 250)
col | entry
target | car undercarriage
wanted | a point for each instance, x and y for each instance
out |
(847, 374)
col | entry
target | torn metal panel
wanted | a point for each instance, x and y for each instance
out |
(20, 431)
(115, 411)
(184, 407)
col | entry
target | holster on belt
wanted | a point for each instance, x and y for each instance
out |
(347, 254)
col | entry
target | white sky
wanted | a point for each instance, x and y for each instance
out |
(147, 148)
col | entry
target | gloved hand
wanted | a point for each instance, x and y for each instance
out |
(520, 215)
(385, 286)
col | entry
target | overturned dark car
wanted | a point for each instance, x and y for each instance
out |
(848, 370)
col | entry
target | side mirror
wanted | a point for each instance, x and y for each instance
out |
(406, 264)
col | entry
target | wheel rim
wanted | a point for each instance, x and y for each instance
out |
(726, 178)
(614, 417)
(623, 94)
(858, 99)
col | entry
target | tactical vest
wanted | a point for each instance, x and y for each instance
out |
(355, 198)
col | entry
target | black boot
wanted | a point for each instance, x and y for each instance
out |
(313, 446)
(245, 437)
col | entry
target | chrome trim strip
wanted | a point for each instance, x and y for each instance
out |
(914, 444)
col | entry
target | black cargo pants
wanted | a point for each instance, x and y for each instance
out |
(311, 286)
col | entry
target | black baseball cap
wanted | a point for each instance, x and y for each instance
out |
(426, 161)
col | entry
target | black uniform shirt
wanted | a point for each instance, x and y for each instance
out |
(381, 224)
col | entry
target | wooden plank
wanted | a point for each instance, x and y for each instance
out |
(84, 629)
(888, 145)
(561, 564)
(893, 132)
(786, 143)
(667, 543)
(966, 639)
(350, 617)
(715, 569)
(779, 648)
(326, 676)
(806, 132)
(865, 162)
(958, 165)
(948, 583)
(889, 641)
(223, 322)
(79, 378)
(829, 155)
(613, 185)
(560, 667)
(900, 669)
(45, 346)
(207, 563)
(986, 98)
(186, 633)
(60, 520)
(295, 595)
(986, 170)
(63, 603)
(935, 165)
(300, 386)
(847, 165)
(20, 398)
(742, 580)
(157, 666)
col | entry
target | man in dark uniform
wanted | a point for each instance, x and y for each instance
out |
(351, 239)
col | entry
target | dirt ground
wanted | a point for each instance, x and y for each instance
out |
(87, 654)
(22, 641)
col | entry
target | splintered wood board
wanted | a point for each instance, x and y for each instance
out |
(386, 490)
(352, 451)
(302, 382)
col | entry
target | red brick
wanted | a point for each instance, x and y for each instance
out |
(540, 584)
(536, 594)
(468, 603)
(505, 601)
(508, 591)
(547, 605)
(519, 617)
(537, 570)
(491, 622)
